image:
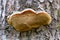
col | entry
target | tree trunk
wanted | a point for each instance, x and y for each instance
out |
(49, 32)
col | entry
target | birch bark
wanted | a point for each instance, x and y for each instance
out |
(49, 32)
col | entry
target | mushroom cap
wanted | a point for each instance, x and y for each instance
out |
(28, 19)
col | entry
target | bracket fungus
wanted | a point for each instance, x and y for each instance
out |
(27, 19)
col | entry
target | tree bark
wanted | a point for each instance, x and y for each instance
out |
(49, 32)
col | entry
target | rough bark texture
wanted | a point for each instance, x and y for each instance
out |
(49, 32)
